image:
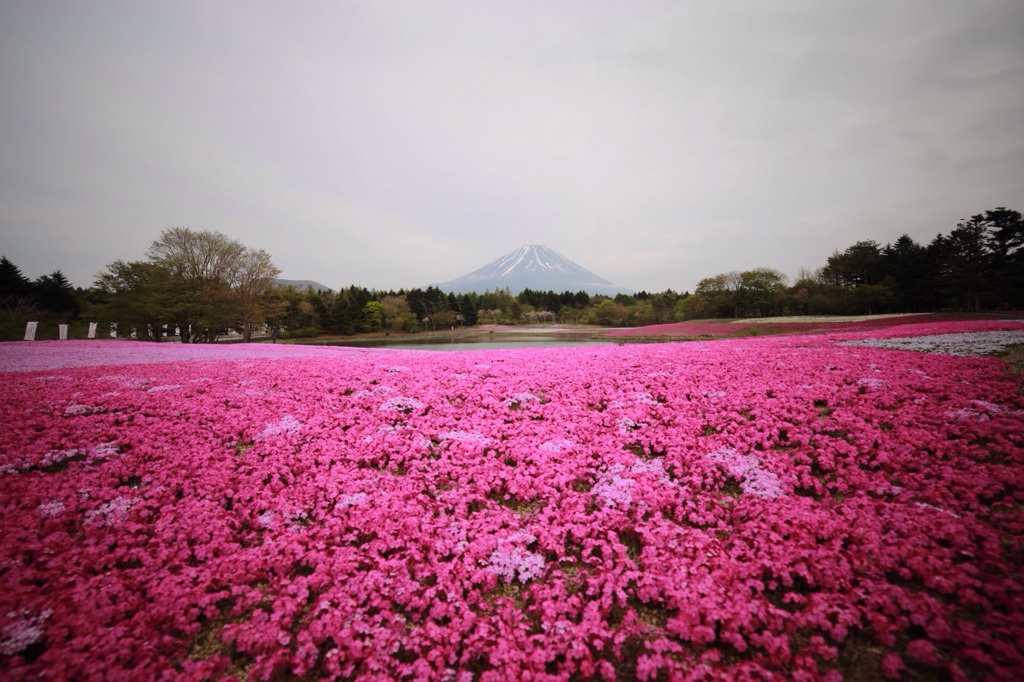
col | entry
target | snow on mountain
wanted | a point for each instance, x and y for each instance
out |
(532, 267)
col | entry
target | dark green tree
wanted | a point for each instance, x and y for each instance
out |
(55, 294)
(1006, 245)
(964, 263)
(15, 288)
(468, 310)
(859, 264)
(906, 267)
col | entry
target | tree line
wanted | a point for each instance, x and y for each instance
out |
(977, 266)
(50, 295)
(194, 284)
(200, 284)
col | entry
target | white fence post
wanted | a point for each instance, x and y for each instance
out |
(92, 330)
(30, 331)
(62, 331)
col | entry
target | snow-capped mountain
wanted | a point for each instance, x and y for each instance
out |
(532, 267)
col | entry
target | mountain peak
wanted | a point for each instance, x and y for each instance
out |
(532, 266)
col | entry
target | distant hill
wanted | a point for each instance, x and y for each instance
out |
(533, 267)
(301, 284)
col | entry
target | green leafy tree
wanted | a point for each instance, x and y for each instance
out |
(714, 296)
(137, 295)
(373, 315)
(397, 314)
(760, 291)
(608, 313)
(201, 264)
(202, 282)
(292, 310)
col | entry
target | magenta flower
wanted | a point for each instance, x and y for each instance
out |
(740, 509)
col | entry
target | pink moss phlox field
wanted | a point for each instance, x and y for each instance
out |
(20, 357)
(784, 507)
(743, 328)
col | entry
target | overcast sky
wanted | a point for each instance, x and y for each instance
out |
(395, 144)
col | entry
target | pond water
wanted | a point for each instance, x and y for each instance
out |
(473, 342)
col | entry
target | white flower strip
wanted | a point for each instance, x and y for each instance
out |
(967, 343)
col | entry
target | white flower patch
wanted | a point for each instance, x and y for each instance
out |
(520, 398)
(872, 382)
(456, 539)
(400, 404)
(347, 500)
(376, 390)
(755, 480)
(103, 451)
(556, 445)
(19, 464)
(57, 456)
(51, 508)
(559, 627)
(991, 408)
(77, 409)
(967, 414)
(626, 425)
(296, 519)
(472, 437)
(511, 559)
(125, 381)
(111, 513)
(888, 490)
(165, 387)
(925, 505)
(287, 424)
(613, 489)
(654, 466)
(23, 632)
(450, 675)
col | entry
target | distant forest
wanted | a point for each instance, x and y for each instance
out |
(201, 284)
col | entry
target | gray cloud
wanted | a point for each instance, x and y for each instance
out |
(392, 144)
